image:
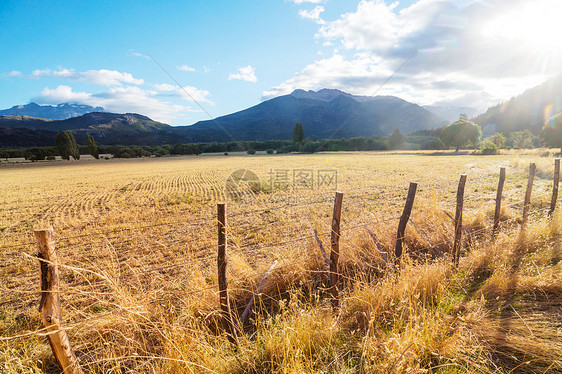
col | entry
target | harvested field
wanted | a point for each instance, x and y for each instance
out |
(137, 243)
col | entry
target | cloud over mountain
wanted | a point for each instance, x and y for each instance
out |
(115, 99)
(470, 51)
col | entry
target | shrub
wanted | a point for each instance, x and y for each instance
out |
(286, 149)
(488, 147)
(251, 151)
(310, 147)
(269, 151)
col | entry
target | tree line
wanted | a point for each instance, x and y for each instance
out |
(459, 134)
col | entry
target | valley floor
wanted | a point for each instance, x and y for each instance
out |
(137, 241)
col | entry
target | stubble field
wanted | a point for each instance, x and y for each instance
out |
(137, 243)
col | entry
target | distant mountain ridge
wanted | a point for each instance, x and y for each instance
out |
(325, 114)
(60, 111)
(106, 128)
(450, 114)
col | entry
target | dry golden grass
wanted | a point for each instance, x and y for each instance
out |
(137, 245)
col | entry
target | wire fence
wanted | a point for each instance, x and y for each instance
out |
(96, 286)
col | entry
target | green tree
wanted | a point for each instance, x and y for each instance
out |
(460, 133)
(92, 147)
(488, 147)
(67, 146)
(73, 148)
(498, 139)
(36, 154)
(551, 133)
(396, 140)
(298, 134)
(521, 139)
(62, 146)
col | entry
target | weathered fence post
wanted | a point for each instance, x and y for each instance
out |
(221, 266)
(458, 220)
(527, 203)
(555, 186)
(404, 221)
(498, 202)
(335, 253)
(50, 308)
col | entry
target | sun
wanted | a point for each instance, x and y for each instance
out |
(535, 25)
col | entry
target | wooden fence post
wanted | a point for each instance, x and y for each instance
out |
(498, 202)
(221, 266)
(335, 253)
(458, 220)
(527, 203)
(50, 307)
(404, 221)
(555, 186)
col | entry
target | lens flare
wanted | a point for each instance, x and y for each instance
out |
(548, 112)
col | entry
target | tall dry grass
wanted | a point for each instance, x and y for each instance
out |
(146, 300)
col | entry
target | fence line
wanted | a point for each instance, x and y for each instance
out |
(50, 301)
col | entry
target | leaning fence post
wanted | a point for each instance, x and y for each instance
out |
(555, 186)
(498, 202)
(50, 307)
(404, 221)
(335, 253)
(458, 220)
(246, 313)
(324, 255)
(221, 266)
(527, 204)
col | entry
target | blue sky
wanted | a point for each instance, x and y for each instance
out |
(230, 55)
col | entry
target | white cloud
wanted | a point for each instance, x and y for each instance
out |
(11, 74)
(38, 73)
(62, 94)
(374, 25)
(482, 52)
(102, 77)
(313, 14)
(247, 74)
(116, 99)
(189, 93)
(134, 53)
(185, 68)
(355, 75)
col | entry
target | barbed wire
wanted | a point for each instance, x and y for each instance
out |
(256, 275)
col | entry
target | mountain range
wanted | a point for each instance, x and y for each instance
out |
(106, 128)
(530, 110)
(61, 111)
(325, 114)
